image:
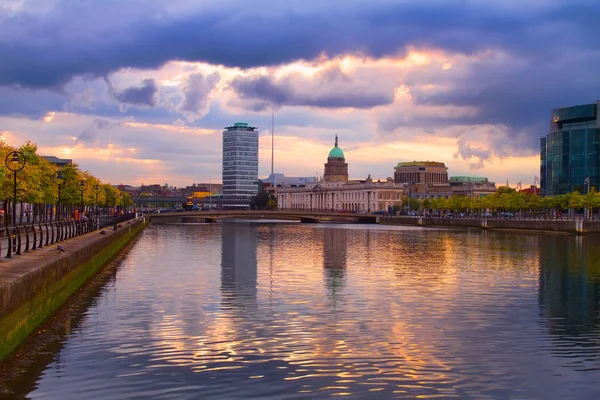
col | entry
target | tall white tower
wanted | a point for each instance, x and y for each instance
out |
(240, 161)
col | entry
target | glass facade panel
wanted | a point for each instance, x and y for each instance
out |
(571, 151)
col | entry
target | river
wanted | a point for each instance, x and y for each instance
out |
(288, 310)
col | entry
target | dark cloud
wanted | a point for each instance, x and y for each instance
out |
(99, 37)
(144, 95)
(27, 103)
(328, 89)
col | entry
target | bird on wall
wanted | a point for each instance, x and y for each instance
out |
(60, 248)
(103, 232)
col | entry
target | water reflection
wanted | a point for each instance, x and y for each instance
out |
(238, 264)
(312, 311)
(335, 244)
(569, 297)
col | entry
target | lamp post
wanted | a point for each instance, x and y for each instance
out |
(82, 186)
(15, 161)
(96, 189)
(587, 190)
(59, 179)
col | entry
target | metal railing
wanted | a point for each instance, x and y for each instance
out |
(16, 240)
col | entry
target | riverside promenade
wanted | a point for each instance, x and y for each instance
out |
(35, 284)
(577, 226)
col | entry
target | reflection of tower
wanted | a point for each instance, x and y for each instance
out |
(569, 294)
(335, 259)
(238, 263)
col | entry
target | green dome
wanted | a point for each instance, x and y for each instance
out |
(336, 152)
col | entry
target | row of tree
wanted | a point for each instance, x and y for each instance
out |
(508, 199)
(37, 192)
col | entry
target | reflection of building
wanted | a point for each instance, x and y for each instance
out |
(335, 259)
(240, 161)
(569, 287)
(238, 262)
(570, 152)
(336, 192)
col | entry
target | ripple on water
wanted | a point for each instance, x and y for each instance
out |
(295, 311)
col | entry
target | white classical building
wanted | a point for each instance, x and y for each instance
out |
(335, 192)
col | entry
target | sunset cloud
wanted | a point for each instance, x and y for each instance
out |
(467, 83)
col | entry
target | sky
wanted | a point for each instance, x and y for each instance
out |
(138, 91)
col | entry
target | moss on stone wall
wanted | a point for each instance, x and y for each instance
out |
(18, 324)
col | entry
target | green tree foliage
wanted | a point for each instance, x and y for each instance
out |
(35, 184)
(507, 199)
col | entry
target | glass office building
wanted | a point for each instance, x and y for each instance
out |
(240, 161)
(570, 153)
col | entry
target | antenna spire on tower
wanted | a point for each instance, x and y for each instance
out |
(272, 139)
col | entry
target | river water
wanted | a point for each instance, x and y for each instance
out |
(285, 311)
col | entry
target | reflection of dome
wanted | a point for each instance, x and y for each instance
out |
(336, 152)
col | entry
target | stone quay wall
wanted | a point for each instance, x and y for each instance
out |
(578, 226)
(34, 285)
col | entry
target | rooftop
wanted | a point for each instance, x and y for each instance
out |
(58, 161)
(240, 126)
(279, 179)
(573, 114)
(422, 164)
(468, 179)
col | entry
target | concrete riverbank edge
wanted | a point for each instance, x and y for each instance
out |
(565, 226)
(36, 284)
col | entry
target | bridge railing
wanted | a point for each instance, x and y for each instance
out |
(16, 240)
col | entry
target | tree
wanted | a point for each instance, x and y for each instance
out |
(426, 204)
(259, 201)
(591, 200)
(575, 200)
(415, 204)
(36, 187)
(271, 204)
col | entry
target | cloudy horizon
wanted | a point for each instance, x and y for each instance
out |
(139, 91)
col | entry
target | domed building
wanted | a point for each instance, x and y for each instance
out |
(336, 168)
(335, 192)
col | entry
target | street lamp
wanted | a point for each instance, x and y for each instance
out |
(82, 185)
(587, 190)
(59, 179)
(15, 161)
(96, 189)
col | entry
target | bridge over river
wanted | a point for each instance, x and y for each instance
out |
(302, 216)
